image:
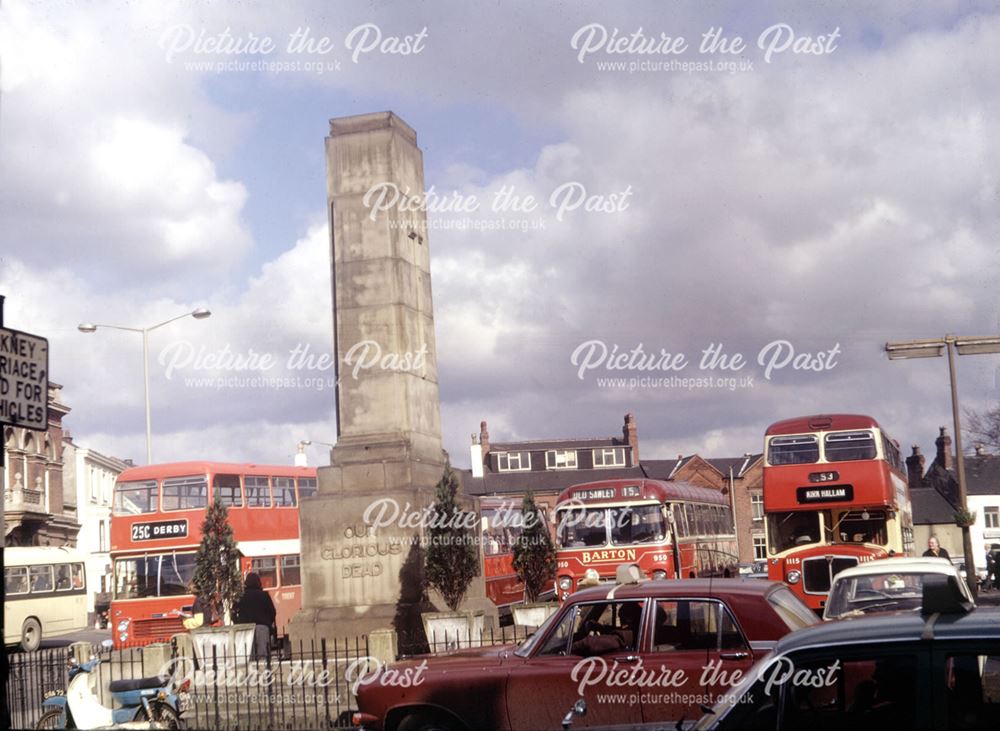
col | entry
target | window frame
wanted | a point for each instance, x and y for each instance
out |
(186, 482)
(282, 561)
(553, 457)
(150, 487)
(602, 463)
(284, 491)
(505, 457)
(246, 491)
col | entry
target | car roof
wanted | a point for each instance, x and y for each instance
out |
(899, 565)
(684, 587)
(980, 623)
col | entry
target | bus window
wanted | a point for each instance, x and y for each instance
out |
(79, 577)
(227, 490)
(862, 527)
(185, 493)
(637, 524)
(41, 578)
(844, 446)
(133, 498)
(15, 580)
(786, 530)
(63, 582)
(680, 520)
(580, 527)
(799, 449)
(153, 575)
(267, 569)
(290, 571)
(307, 487)
(284, 492)
(258, 495)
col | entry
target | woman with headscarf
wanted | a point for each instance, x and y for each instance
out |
(256, 607)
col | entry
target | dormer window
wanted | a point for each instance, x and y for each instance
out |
(560, 459)
(609, 457)
(513, 461)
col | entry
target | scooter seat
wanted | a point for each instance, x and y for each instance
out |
(122, 686)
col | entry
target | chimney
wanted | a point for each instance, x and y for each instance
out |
(476, 456)
(915, 468)
(631, 437)
(484, 438)
(943, 444)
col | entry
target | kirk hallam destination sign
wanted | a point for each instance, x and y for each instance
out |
(830, 494)
(159, 529)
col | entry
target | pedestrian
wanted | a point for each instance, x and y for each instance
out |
(200, 614)
(934, 549)
(995, 553)
(256, 607)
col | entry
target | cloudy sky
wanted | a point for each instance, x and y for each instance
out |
(706, 174)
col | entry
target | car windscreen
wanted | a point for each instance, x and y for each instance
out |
(637, 524)
(875, 593)
(795, 613)
(582, 527)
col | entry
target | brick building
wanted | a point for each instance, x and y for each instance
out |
(742, 478)
(37, 512)
(548, 466)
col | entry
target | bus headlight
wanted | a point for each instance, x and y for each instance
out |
(659, 574)
(565, 583)
(793, 576)
(123, 627)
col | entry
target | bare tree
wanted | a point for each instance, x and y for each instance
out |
(984, 427)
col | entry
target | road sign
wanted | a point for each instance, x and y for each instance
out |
(24, 380)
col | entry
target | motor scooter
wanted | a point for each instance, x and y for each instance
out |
(146, 703)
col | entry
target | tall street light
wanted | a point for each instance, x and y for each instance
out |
(935, 349)
(90, 327)
(306, 442)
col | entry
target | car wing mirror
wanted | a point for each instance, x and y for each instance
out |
(579, 709)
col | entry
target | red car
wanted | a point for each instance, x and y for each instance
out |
(637, 653)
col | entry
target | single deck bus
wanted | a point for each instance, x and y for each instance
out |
(835, 495)
(666, 529)
(156, 524)
(45, 594)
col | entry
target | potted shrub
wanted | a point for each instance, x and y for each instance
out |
(451, 563)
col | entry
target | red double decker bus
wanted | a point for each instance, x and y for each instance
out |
(501, 526)
(156, 524)
(835, 495)
(666, 529)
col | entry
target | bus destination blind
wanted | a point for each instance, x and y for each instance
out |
(159, 529)
(828, 494)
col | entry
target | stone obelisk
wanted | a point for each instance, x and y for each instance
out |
(357, 577)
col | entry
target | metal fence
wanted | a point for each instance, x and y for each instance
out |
(305, 687)
(308, 688)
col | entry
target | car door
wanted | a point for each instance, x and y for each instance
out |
(578, 660)
(697, 654)
(856, 686)
(965, 683)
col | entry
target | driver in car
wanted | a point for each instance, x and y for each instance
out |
(602, 639)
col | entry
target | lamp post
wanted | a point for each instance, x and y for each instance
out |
(934, 349)
(90, 327)
(307, 442)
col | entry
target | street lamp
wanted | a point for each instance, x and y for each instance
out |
(934, 349)
(90, 327)
(306, 442)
